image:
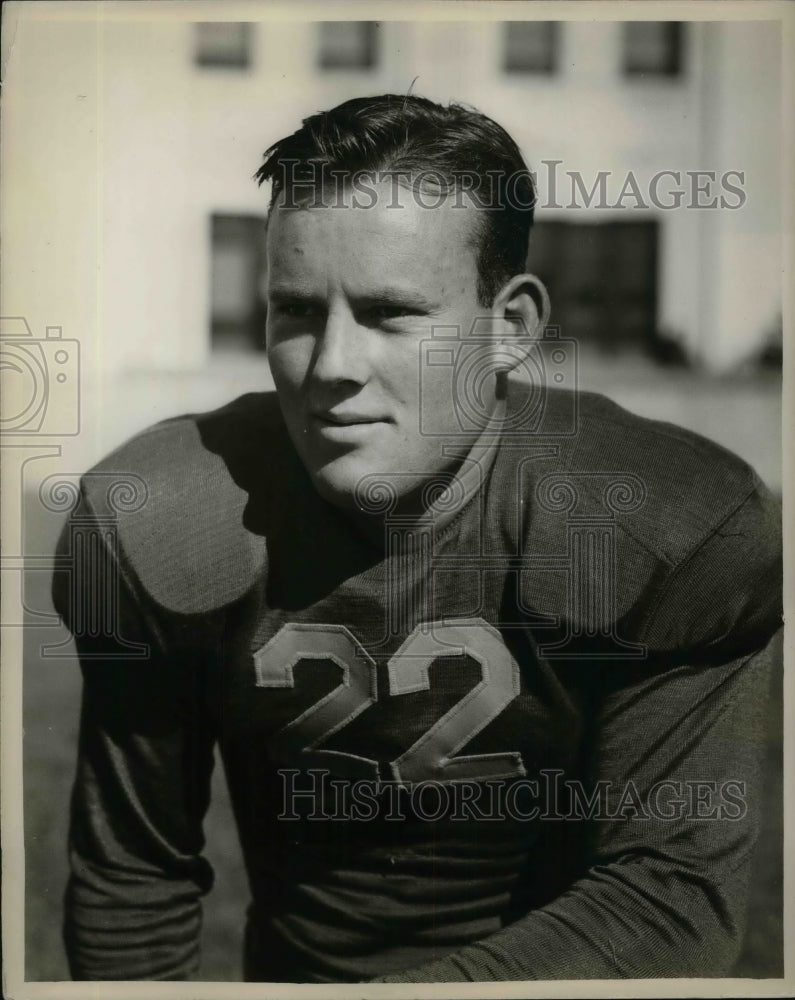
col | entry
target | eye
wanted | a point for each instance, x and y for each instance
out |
(387, 312)
(297, 309)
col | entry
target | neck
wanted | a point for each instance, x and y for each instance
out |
(436, 501)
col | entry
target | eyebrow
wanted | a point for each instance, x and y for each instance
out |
(373, 296)
(282, 294)
(395, 297)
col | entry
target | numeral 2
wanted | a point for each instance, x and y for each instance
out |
(274, 665)
(431, 757)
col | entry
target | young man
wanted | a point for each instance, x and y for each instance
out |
(484, 659)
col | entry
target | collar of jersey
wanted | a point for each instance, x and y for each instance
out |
(466, 482)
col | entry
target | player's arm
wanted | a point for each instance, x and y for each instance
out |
(663, 891)
(661, 896)
(132, 908)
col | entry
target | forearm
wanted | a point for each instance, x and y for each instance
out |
(117, 929)
(636, 919)
(132, 906)
(659, 897)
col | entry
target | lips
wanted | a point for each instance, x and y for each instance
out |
(344, 419)
(345, 428)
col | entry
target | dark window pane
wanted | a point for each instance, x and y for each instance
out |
(348, 44)
(653, 48)
(602, 279)
(531, 46)
(223, 43)
(238, 259)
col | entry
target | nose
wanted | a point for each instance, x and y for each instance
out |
(340, 350)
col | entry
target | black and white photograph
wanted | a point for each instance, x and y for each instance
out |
(394, 425)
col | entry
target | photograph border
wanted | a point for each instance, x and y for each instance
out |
(11, 681)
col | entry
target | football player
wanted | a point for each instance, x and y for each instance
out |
(485, 657)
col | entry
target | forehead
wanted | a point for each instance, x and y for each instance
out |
(387, 227)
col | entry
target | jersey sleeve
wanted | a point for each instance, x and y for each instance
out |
(724, 598)
(676, 746)
(665, 891)
(132, 906)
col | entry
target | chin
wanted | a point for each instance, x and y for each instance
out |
(359, 487)
(338, 486)
(337, 494)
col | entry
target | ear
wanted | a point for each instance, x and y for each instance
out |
(523, 306)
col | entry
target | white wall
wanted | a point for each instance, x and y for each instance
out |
(122, 148)
(741, 260)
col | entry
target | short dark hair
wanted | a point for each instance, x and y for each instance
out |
(394, 133)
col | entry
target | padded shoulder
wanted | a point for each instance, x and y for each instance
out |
(694, 536)
(192, 539)
(673, 486)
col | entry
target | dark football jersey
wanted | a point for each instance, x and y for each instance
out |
(515, 738)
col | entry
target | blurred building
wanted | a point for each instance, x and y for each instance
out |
(656, 146)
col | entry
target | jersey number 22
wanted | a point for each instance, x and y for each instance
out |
(432, 757)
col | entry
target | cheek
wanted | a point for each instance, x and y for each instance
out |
(288, 363)
(398, 367)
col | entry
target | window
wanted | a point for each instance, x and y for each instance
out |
(348, 44)
(531, 46)
(224, 44)
(238, 261)
(652, 48)
(602, 280)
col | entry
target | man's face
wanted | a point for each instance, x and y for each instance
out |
(352, 293)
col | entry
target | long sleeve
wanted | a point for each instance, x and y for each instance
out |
(679, 757)
(675, 751)
(132, 908)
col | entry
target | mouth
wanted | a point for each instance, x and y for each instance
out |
(327, 418)
(344, 428)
